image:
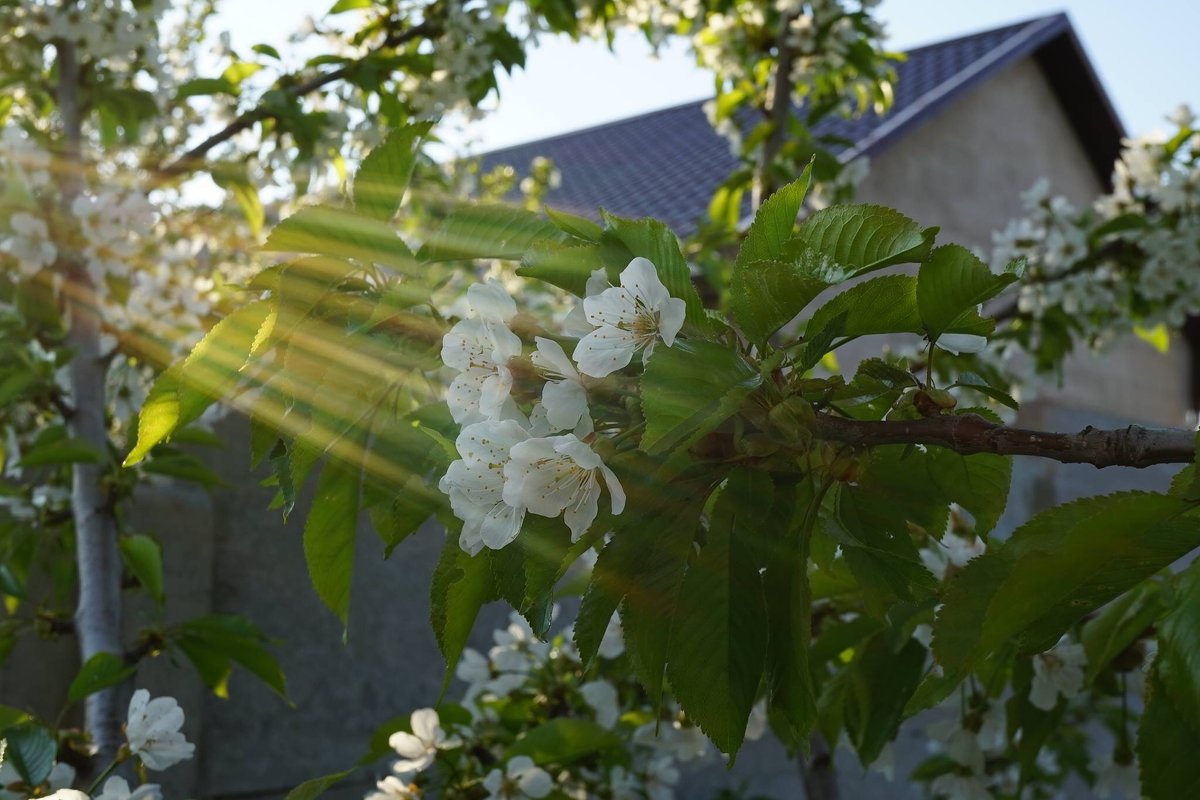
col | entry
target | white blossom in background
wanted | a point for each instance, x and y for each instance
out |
(394, 788)
(1114, 776)
(756, 724)
(117, 788)
(952, 551)
(29, 243)
(520, 778)
(418, 749)
(633, 316)
(968, 744)
(153, 731)
(1057, 672)
(951, 786)
(612, 645)
(660, 778)
(475, 485)
(560, 475)
(602, 697)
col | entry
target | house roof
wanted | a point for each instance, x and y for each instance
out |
(667, 163)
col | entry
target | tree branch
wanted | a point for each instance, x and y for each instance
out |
(779, 115)
(98, 613)
(1133, 446)
(192, 157)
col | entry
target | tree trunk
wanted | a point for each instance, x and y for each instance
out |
(98, 615)
(779, 115)
(817, 772)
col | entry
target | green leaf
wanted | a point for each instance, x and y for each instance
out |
(789, 614)
(766, 295)
(31, 750)
(462, 584)
(488, 231)
(59, 452)
(339, 7)
(951, 283)
(1166, 751)
(200, 87)
(1059, 566)
(653, 240)
(969, 380)
(880, 681)
(329, 534)
(10, 717)
(768, 288)
(864, 238)
(564, 741)
(579, 227)
(1119, 624)
(182, 393)
(688, 390)
(382, 178)
(266, 50)
(99, 672)
(238, 71)
(886, 304)
(773, 223)
(718, 637)
(1178, 662)
(143, 558)
(979, 483)
(341, 233)
(315, 787)
(214, 643)
(567, 266)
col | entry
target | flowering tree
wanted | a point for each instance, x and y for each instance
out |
(111, 268)
(766, 528)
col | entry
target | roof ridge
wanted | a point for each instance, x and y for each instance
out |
(645, 115)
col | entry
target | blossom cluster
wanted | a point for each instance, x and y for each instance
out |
(1127, 259)
(545, 461)
(153, 733)
(522, 682)
(145, 281)
(114, 34)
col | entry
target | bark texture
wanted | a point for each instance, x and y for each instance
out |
(1133, 446)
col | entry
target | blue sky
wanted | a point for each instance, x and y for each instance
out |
(1145, 54)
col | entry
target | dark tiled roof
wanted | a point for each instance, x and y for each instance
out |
(667, 163)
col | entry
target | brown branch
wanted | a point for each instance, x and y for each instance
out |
(192, 157)
(1133, 446)
(779, 114)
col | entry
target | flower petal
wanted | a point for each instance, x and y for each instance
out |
(604, 351)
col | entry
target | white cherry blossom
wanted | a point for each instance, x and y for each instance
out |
(153, 731)
(959, 343)
(475, 485)
(393, 788)
(1112, 775)
(117, 788)
(480, 350)
(630, 317)
(418, 749)
(520, 778)
(29, 243)
(1057, 672)
(575, 324)
(601, 696)
(559, 475)
(563, 397)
